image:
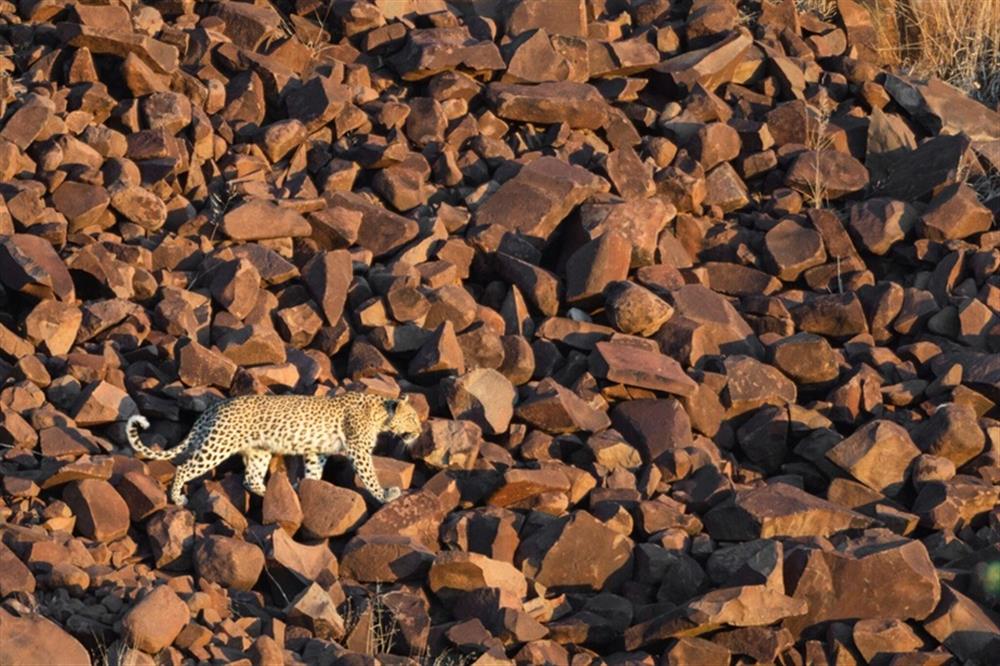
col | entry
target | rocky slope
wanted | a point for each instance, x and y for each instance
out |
(702, 306)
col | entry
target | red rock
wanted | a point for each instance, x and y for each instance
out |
(249, 25)
(335, 229)
(169, 111)
(255, 344)
(156, 620)
(156, 54)
(943, 109)
(635, 366)
(947, 505)
(878, 224)
(521, 486)
(101, 513)
(652, 426)
(962, 626)
(30, 265)
(143, 495)
(878, 454)
(382, 231)
(951, 432)
(171, 538)
(541, 288)
(426, 122)
(27, 121)
(577, 334)
(550, 555)
(531, 58)
(439, 356)
(235, 285)
(688, 650)
(641, 221)
(449, 444)
(793, 249)
(880, 638)
(281, 504)
(596, 264)
(13, 345)
(704, 323)
(52, 326)
(454, 571)
(35, 639)
(259, 219)
(955, 213)
(724, 188)
(318, 101)
(199, 366)
(831, 315)
(229, 562)
(385, 558)
(328, 510)
(315, 610)
(556, 409)
(745, 606)
(714, 143)
(14, 575)
(710, 67)
(292, 564)
(281, 137)
(912, 590)
(416, 514)
(632, 178)
(404, 185)
(430, 51)
(566, 18)
(737, 280)
(633, 309)
(539, 197)
(806, 358)
(69, 577)
(140, 206)
(84, 467)
(751, 384)
(82, 204)
(577, 104)
(826, 174)
(776, 510)
(484, 397)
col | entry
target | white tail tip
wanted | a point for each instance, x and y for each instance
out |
(137, 420)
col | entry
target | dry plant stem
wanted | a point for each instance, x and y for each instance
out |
(817, 140)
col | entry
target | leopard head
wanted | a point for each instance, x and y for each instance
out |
(402, 420)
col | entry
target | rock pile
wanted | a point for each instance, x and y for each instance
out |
(702, 306)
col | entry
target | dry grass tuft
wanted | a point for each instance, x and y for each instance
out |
(957, 41)
(824, 8)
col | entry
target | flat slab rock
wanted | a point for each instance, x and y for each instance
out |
(579, 105)
(911, 590)
(539, 197)
(779, 510)
(746, 606)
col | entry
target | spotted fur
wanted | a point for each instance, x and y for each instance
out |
(257, 427)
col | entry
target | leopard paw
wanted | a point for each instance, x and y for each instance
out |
(389, 494)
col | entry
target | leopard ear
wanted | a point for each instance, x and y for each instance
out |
(405, 400)
(390, 407)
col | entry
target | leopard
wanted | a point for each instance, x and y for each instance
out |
(258, 427)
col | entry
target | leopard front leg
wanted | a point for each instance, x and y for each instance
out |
(315, 463)
(256, 463)
(363, 467)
